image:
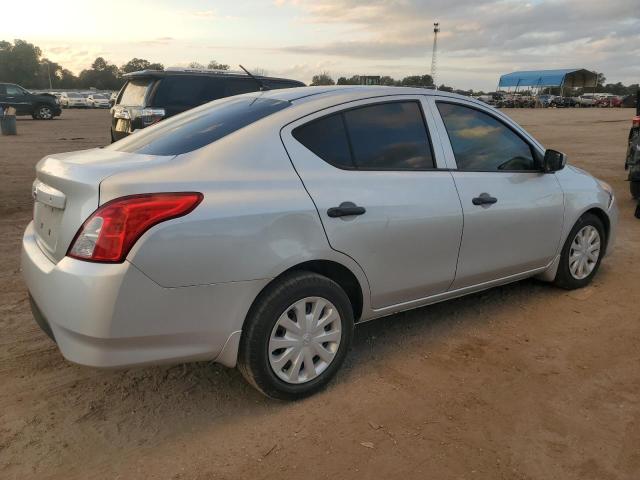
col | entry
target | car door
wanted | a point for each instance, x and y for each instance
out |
(513, 211)
(373, 174)
(18, 98)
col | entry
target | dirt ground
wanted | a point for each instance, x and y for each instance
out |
(520, 382)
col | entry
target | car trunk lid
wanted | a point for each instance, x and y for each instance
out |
(67, 190)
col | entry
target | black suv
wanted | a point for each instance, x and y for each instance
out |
(42, 106)
(151, 95)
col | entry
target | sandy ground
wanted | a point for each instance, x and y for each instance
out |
(520, 382)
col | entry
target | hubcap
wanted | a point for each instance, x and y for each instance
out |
(584, 252)
(45, 113)
(305, 339)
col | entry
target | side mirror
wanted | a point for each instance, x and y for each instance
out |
(553, 161)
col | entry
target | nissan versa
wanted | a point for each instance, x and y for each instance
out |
(256, 230)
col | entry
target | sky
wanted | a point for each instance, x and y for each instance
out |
(479, 39)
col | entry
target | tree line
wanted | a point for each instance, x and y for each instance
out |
(22, 63)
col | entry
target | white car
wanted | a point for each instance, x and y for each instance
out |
(256, 230)
(98, 100)
(72, 100)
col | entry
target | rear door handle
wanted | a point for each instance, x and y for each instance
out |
(345, 209)
(484, 199)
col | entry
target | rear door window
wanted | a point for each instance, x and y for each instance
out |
(389, 136)
(198, 127)
(134, 93)
(385, 136)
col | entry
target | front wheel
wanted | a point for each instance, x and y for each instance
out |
(634, 187)
(296, 336)
(43, 112)
(582, 253)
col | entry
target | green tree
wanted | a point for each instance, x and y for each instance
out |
(417, 81)
(322, 79)
(354, 80)
(102, 75)
(213, 65)
(20, 63)
(137, 64)
(196, 65)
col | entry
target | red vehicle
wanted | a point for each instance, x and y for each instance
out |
(613, 101)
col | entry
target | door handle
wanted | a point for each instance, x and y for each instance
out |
(345, 209)
(484, 199)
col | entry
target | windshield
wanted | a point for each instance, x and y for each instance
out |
(134, 93)
(200, 126)
(74, 95)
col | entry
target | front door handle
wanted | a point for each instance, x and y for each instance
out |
(345, 209)
(484, 199)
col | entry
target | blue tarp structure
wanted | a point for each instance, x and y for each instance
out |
(568, 77)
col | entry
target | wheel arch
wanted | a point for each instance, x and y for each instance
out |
(606, 222)
(331, 269)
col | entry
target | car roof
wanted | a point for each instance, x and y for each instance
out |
(197, 72)
(353, 92)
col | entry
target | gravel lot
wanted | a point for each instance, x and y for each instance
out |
(520, 382)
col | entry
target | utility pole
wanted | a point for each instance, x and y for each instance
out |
(434, 56)
(49, 74)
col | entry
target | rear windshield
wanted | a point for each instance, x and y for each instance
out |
(134, 93)
(201, 126)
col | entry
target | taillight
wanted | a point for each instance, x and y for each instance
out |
(110, 232)
(152, 115)
(636, 121)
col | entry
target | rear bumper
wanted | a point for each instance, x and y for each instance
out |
(113, 315)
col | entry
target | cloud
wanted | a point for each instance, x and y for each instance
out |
(475, 34)
(157, 41)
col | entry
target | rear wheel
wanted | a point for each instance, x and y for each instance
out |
(582, 253)
(634, 186)
(296, 336)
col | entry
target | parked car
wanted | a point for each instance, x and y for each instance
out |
(609, 101)
(586, 100)
(151, 95)
(98, 100)
(632, 162)
(545, 100)
(255, 231)
(72, 100)
(40, 106)
(563, 102)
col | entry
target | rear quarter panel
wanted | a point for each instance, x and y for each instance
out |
(256, 219)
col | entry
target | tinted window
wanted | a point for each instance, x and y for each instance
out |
(134, 93)
(237, 86)
(276, 84)
(14, 90)
(389, 136)
(327, 138)
(198, 127)
(188, 91)
(481, 142)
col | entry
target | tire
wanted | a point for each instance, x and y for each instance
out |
(634, 187)
(567, 277)
(43, 112)
(267, 366)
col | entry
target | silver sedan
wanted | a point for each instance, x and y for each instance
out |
(256, 230)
